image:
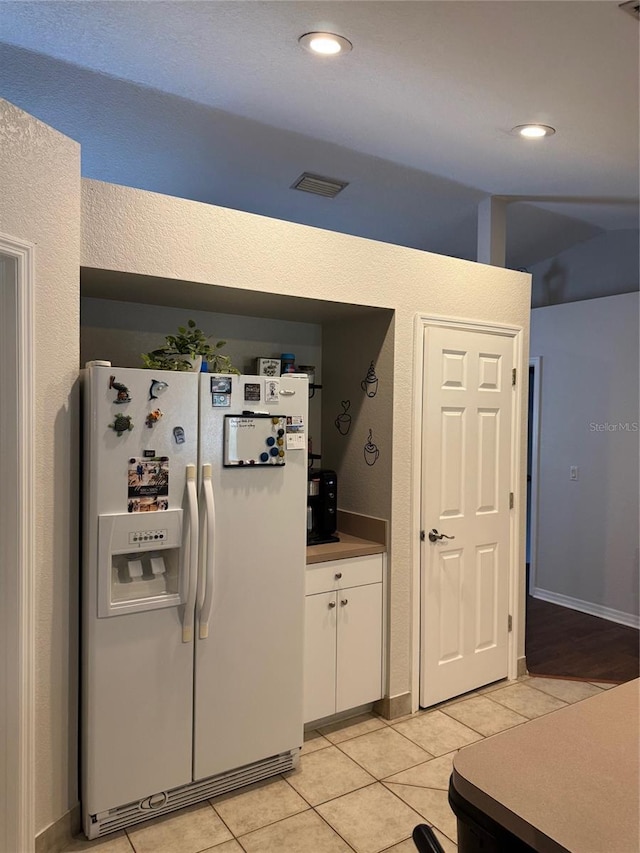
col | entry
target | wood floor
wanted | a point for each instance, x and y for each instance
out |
(569, 644)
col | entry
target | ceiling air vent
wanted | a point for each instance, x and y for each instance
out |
(632, 7)
(316, 184)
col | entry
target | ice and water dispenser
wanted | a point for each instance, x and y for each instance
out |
(139, 561)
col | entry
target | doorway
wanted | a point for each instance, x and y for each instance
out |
(17, 664)
(533, 457)
(559, 641)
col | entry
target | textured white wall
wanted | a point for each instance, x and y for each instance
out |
(604, 266)
(587, 535)
(40, 203)
(131, 230)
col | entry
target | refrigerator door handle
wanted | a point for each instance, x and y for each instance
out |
(191, 561)
(209, 552)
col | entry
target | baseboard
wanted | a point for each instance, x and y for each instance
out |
(521, 667)
(628, 619)
(57, 836)
(311, 725)
(392, 707)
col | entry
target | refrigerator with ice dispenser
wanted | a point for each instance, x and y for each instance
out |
(193, 587)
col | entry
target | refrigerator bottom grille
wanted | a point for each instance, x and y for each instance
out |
(130, 814)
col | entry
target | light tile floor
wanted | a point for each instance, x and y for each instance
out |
(362, 786)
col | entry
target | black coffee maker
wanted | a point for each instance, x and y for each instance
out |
(322, 506)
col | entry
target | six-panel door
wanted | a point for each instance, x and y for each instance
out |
(466, 482)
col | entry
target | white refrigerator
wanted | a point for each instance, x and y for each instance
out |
(192, 587)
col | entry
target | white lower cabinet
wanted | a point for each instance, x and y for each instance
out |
(343, 635)
(320, 642)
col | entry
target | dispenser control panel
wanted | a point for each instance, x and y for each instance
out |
(147, 536)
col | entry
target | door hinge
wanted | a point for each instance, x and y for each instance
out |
(510, 623)
(510, 500)
(513, 376)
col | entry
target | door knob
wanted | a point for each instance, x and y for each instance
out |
(434, 536)
(344, 601)
(338, 575)
(332, 604)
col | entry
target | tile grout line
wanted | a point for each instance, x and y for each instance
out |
(223, 821)
(391, 781)
(309, 808)
(357, 788)
(333, 829)
(379, 778)
(422, 817)
(483, 736)
(537, 716)
(461, 724)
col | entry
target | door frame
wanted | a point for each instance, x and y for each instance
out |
(422, 322)
(536, 363)
(18, 610)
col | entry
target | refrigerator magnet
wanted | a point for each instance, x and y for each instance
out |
(153, 418)
(178, 435)
(252, 392)
(295, 438)
(121, 424)
(148, 484)
(220, 384)
(123, 395)
(220, 400)
(272, 391)
(157, 387)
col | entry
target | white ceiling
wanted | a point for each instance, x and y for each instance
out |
(216, 101)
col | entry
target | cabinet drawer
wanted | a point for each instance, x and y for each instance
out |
(340, 574)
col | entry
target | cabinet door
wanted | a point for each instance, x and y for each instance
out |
(320, 656)
(359, 660)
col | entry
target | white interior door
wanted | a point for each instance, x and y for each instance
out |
(465, 496)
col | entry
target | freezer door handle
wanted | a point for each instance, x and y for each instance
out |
(207, 561)
(191, 556)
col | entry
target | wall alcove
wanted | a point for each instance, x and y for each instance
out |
(125, 314)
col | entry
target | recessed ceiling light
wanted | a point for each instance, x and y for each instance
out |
(533, 131)
(325, 44)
